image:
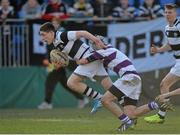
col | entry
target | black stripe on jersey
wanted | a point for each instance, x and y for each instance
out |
(172, 34)
(177, 57)
(157, 10)
(49, 49)
(175, 21)
(64, 37)
(77, 44)
(60, 46)
(175, 47)
(84, 52)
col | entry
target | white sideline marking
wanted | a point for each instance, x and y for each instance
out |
(58, 120)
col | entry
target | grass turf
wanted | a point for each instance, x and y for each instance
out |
(77, 121)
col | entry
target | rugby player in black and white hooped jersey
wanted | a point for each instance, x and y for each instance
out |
(70, 43)
(172, 32)
(127, 87)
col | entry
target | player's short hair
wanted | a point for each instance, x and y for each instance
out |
(47, 27)
(170, 6)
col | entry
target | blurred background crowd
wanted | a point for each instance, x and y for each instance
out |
(46, 9)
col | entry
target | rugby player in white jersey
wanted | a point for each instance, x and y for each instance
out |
(69, 43)
(172, 32)
(126, 87)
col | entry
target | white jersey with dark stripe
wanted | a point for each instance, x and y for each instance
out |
(173, 37)
(114, 60)
(68, 43)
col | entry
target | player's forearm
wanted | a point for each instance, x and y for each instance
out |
(173, 93)
(85, 34)
(164, 48)
(91, 58)
(95, 56)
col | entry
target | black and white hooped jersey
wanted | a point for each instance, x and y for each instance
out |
(68, 43)
(156, 9)
(114, 60)
(173, 37)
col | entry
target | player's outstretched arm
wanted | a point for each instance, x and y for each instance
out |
(93, 57)
(154, 49)
(91, 37)
(82, 61)
(169, 94)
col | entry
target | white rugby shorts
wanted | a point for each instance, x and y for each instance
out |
(175, 70)
(130, 85)
(92, 69)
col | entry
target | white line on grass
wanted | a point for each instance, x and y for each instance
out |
(58, 120)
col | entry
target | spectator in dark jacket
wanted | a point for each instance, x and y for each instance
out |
(150, 10)
(102, 8)
(6, 11)
(124, 11)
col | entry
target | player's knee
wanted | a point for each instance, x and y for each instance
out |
(70, 83)
(106, 101)
(106, 83)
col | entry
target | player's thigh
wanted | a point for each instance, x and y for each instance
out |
(169, 80)
(105, 81)
(75, 78)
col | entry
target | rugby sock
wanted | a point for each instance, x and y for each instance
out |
(153, 105)
(92, 94)
(125, 119)
(162, 113)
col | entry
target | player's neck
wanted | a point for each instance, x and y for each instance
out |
(171, 23)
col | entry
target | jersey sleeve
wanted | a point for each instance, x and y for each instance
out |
(98, 55)
(49, 49)
(165, 37)
(178, 26)
(71, 35)
(95, 56)
(66, 36)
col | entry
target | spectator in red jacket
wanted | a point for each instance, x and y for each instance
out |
(55, 8)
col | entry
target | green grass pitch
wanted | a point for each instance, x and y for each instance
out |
(77, 121)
